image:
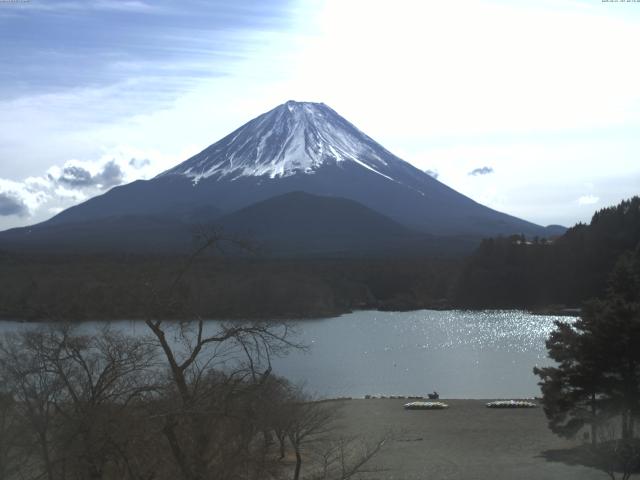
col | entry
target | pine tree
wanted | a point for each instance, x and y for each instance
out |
(597, 375)
(572, 391)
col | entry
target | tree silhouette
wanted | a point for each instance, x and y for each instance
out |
(597, 376)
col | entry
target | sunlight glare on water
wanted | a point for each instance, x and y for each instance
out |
(461, 354)
(506, 330)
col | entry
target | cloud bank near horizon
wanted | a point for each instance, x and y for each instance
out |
(63, 186)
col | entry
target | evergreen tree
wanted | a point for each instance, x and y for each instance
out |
(598, 360)
(572, 391)
(508, 272)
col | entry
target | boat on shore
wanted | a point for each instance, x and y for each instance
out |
(425, 406)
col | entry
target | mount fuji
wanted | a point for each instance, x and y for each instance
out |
(257, 178)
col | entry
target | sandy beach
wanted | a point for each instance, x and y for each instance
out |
(467, 441)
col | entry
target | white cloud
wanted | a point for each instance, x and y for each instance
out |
(55, 210)
(588, 200)
(538, 180)
(27, 193)
(37, 198)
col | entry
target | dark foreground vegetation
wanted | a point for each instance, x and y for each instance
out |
(178, 403)
(594, 388)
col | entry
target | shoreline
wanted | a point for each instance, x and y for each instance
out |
(551, 312)
(425, 398)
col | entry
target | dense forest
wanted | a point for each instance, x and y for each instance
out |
(515, 272)
(504, 272)
(106, 287)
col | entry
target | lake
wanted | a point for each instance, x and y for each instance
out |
(461, 354)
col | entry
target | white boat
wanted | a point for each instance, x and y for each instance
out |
(425, 406)
(511, 404)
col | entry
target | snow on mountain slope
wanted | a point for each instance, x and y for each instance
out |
(296, 137)
(299, 147)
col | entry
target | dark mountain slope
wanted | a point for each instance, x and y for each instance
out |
(125, 233)
(292, 224)
(300, 223)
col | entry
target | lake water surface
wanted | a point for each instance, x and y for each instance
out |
(461, 354)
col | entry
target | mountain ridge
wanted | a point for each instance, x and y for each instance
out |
(297, 147)
(290, 225)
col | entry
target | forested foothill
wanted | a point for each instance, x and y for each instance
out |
(506, 272)
(116, 287)
(534, 273)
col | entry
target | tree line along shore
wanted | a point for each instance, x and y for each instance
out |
(506, 272)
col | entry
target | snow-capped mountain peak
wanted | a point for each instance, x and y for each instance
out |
(293, 138)
(297, 148)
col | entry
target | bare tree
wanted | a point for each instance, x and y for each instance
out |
(274, 414)
(35, 391)
(309, 421)
(73, 392)
(101, 375)
(11, 448)
(213, 369)
(314, 432)
(344, 457)
(618, 457)
(212, 373)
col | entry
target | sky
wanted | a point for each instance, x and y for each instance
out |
(529, 107)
